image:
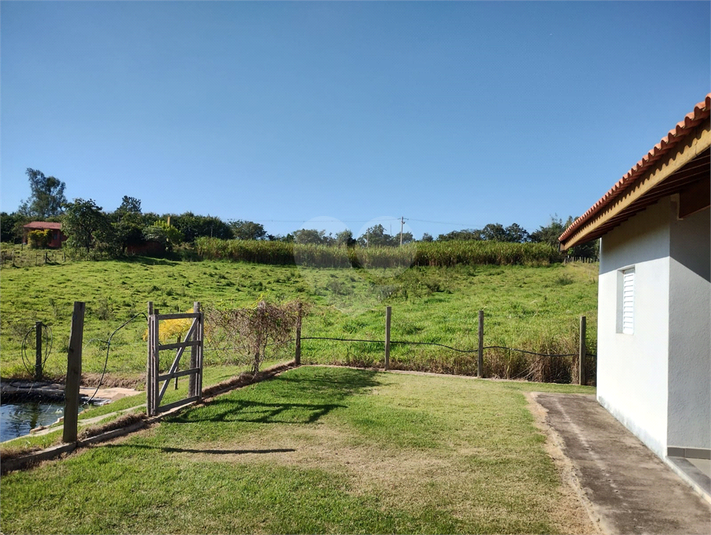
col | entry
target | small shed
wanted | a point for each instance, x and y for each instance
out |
(654, 292)
(56, 236)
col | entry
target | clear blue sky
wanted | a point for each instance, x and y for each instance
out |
(462, 113)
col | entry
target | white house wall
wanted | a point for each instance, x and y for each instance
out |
(689, 414)
(632, 368)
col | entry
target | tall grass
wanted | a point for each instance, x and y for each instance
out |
(441, 254)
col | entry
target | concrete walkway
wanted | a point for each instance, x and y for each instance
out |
(629, 488)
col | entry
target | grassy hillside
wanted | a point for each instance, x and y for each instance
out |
(315, 450)
(527, 307)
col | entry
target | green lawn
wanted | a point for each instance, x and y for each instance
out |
(534, 308)
(315, 450)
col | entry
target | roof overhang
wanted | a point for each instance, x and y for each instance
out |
(679, 164)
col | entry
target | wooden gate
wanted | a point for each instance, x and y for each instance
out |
(193, 340)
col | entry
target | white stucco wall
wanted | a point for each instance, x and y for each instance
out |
(689, 413)
(632, 369)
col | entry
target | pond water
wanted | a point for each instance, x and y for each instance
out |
(18, 417)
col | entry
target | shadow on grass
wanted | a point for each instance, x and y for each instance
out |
(270, 402)
(166, 449)
(240, 410)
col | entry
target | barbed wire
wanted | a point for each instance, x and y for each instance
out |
(458, 350)
(108, 350)
(48, 347)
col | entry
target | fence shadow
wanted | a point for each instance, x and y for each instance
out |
(167, 449)
(228, 410)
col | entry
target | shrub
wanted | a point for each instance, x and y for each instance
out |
(39, 239)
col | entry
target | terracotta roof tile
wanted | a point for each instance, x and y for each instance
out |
(702, 110)
(43, 225)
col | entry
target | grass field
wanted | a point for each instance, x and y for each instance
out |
(534, 308)
(316, 450)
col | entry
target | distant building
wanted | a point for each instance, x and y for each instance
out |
(57, 237)
(654, 294)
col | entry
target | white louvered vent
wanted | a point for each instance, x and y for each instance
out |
(628, 301)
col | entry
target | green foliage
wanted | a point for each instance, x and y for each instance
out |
(46, 198)
(376, 236)
(247, 230)
(447, 253)
(345, 238)
(163, 233)
(514, 233)
(11, 227)
(39, 239)
(87, 226)
(551, 232)
(194, 226)
(312, 236)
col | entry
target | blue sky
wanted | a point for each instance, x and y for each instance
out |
(453, 115)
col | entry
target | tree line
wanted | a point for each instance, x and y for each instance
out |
(89, 227)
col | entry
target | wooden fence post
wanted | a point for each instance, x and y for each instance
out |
(297, 354)
(388, 315)
(38, 351)
(480, 349)
(71, 389)
(582, 379)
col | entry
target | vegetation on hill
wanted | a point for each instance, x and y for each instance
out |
(528, 307)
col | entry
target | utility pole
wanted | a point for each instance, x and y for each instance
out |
(402, 224)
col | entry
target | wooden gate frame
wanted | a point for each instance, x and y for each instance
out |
(194, 340)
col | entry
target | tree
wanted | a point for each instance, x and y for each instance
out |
(376, 236)
(129, 205)
(516, 233)
(47, 196)
(427, 237)
(194, 226)
(313, 236)
(549, 233)
(248, 230)
(85, 225)
(465, 234)
(11, 226)
(345, 237)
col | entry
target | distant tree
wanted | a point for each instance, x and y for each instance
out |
(313, 236)
(193, 226)
(11, 226)
(427, 237)
(46, 198)
(129, 205)
(288, 238)
(465, 234)
(494, 232)
(516, 233)
(345, 237)
(549, 233)
(248, 230)
(375, 236)
(85, 225)
(407, 237)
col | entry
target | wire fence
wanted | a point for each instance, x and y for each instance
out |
(103, 348)
(27, 257)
